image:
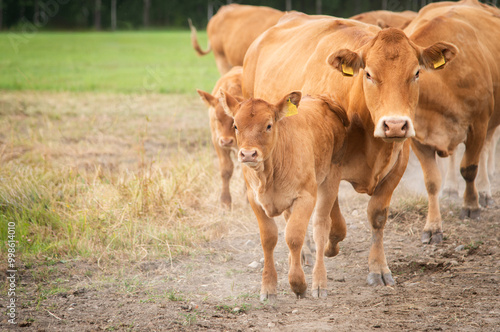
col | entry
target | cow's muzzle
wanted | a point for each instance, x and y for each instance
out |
(250, 157)
(394, 128)
(226, 142)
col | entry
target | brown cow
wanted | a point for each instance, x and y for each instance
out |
(221, 126)
(232, 30)
(386, 19)
(374, 75)
(459, 103)
(291, 167)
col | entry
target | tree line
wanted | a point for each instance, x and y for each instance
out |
(146, 14)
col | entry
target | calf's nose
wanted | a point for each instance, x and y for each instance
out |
(395, 128)
(248, 155)
(226, 141)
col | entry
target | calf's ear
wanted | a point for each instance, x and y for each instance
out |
(207, 98)
(228, 102)
(346, 61)
(438, 55)
(288, 105)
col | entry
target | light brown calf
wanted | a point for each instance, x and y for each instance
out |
(291, 166)
(221, 126)
(374, 75)
(232, 30)
(386, 19)
(460, 103)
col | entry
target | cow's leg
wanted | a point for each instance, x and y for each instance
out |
(268, 238)
(483, 181)
(433, 231)
(338, 231)
(378, 209)
(295, 232)
(469, 168)
(306, 252)
(451, 181)
(492, 154)
(226, 171)
(327, 197)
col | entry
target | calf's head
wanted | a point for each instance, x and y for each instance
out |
(390, 64)
(224, 130)
(255, 123)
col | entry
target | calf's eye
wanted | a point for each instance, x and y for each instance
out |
(235, 128)
(417, 74)
(268, 127)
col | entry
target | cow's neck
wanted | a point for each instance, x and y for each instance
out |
(355, 106)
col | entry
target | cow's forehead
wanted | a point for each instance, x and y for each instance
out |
(391, 45)
(254, 111)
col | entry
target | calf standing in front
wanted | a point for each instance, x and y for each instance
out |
(291, 165)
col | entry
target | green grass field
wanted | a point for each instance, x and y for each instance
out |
(128, 62)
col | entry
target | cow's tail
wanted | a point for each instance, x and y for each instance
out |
(194, 41)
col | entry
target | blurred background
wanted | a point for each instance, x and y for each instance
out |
(149, 14)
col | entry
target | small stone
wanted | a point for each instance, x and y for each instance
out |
(460, 247)
(341, 279)
(71, 308)
(254, 265)
(262, 260)
(236, 309)
(354, 213)
(453, 262)
(250, 243)
(271, 325)
(294, 311)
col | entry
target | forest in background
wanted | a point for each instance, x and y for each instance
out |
(150, 14)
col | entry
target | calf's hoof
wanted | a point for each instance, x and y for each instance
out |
(485, 200)
(470, 213)
(268, 297)
(301, 295)
(429, 237)
(378, 279)
(319, 293)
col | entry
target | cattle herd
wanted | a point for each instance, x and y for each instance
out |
(307, 101)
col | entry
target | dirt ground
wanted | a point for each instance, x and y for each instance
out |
(453, 286)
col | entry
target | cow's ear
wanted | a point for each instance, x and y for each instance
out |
(438, 55)
(207, 98)
(346, 61)
(228, 102)
(288, 106)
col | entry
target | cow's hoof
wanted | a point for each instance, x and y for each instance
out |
(331, 250)
(268, 297)
(319, 293)
(377, 279)
(470, 213)
(301, 295)
(485, 200)
(429, 237)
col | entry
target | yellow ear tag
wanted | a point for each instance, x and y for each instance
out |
(347, 70)
(439, 62)
(292, 109)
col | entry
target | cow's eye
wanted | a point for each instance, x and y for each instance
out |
(368, 76)
(417, 74)
(268, 127)
(235, 128)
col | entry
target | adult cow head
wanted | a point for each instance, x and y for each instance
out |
(224, 130)
(390, 64)
(255, 123)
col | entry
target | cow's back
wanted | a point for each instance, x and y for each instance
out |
(295, 51)
(235, 27)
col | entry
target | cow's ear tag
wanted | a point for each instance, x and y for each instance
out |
(292, 108)
(347, 71)
(440, 62)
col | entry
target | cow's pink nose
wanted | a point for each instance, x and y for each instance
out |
(226, 141)
(395, 128)
(248, 155)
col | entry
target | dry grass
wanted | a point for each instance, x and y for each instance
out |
(110, 176)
